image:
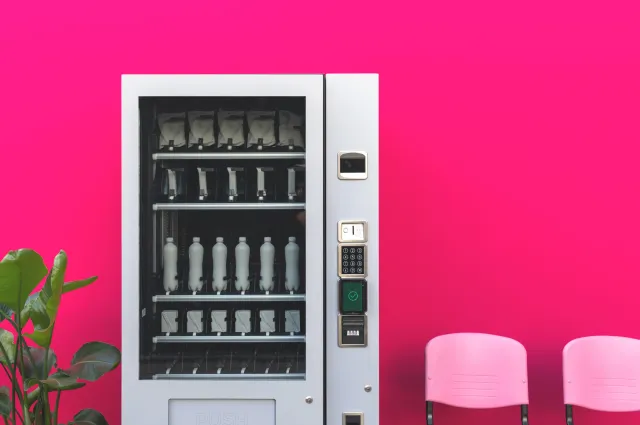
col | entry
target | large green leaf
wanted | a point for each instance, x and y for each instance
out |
(93, 360)
(20, 273)
(60, 381)
(48, 302)
(8, 347)
(38, 312)
(34, 364)
(77, 284)
(89, 417)
(5, 401)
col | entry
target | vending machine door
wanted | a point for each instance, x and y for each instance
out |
(223, 249)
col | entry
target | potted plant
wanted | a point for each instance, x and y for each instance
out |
(37, 380)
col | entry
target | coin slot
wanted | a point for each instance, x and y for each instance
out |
(352, 231)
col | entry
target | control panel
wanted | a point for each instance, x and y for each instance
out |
(352, 286)
(352, 260)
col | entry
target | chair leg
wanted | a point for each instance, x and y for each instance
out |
(524, 414)
(429, 413)
(568, 410)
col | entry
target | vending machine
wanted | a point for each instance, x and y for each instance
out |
(250, 249)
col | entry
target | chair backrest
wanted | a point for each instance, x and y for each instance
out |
(475, 370)
(602, 373)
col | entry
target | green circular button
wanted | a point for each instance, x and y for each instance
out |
(353, 295)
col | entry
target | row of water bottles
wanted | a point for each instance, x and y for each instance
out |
(242, 275)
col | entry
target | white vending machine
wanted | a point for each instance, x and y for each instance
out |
(250, 249)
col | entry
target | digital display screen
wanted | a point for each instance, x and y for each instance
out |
(352, 296)
(352, 164)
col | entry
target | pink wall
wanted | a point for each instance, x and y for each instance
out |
(511, 132)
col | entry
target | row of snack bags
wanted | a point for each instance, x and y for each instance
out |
(231, 129)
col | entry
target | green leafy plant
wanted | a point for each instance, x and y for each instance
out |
(37, 381)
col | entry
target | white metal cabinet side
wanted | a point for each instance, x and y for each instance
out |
(352, 113)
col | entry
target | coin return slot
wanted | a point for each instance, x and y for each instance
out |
(352, 419)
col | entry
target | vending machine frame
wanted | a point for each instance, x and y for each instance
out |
(340, 385)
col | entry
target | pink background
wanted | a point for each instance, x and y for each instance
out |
(509, 129)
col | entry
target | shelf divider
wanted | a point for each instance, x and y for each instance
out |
(226, 155)
(228, 206)
(177, 339)
(234, 376)
(229, 298)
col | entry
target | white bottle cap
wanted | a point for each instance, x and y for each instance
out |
(196, 239)
(242, 239)
(267, 239)
(292, 239)
(219, 240)
(169, 240)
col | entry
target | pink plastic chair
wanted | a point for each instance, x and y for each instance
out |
(476, 371)
(601, 373)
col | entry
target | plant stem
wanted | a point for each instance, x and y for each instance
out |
(7, 372)
(33, 396)
(10, 375)
(20, 417)
(20, 359)
(37, 410)
(40, 411)
(25, 411)
(26, 401)
(45, 394)
(15, 387)
(55, 413)
(46, 408)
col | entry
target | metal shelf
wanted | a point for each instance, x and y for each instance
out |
(228, 298)
(228, 206)
(227, 155)
(206, 339)
(234, 376)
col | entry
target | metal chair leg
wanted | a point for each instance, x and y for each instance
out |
(524, 414)
(568, 409)
(429, 413)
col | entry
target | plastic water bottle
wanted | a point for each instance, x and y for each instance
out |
(196, 255)
(291, 258)
(267, 255)
(219, 253)
(242, 265)
(170, 265)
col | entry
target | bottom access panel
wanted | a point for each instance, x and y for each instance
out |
(222, 412)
